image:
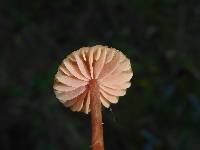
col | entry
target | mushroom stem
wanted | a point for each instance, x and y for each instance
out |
(96, 119)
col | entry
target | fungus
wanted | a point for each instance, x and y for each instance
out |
(89, 78)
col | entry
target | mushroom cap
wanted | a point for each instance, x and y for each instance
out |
(108, 67)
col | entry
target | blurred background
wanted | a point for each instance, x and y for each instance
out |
(161, 110)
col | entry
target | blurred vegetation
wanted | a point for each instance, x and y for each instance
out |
(162, 38)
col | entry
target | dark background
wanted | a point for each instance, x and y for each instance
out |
(161, 110)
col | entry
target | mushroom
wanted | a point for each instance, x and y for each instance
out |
(89, 78)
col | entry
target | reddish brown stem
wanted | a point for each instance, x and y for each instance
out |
(96, 120)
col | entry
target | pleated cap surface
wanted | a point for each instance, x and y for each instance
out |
(110, 68)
